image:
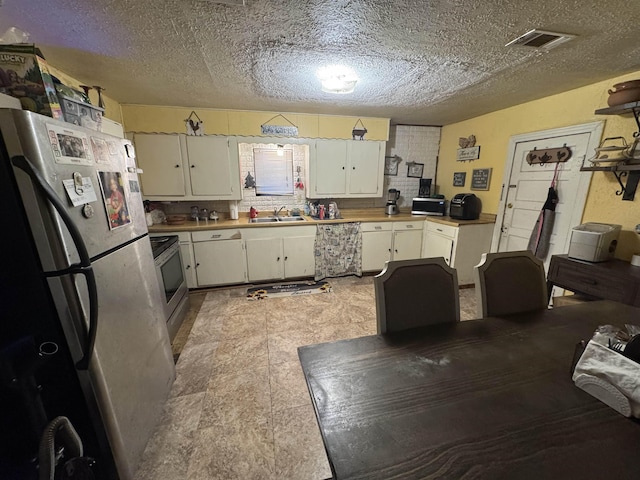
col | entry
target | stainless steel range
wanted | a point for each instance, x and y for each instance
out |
(170, 272)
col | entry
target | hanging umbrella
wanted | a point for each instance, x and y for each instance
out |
(541, 234)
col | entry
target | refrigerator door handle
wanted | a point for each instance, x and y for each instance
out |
(82, 268)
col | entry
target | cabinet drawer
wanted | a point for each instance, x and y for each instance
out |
(446, 230)
(413, 225)
(376, 226)
(592, 282)
(208, 235)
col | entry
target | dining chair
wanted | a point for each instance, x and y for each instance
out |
(415, 293)
(510, 282)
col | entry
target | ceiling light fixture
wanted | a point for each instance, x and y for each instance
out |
(337, 79)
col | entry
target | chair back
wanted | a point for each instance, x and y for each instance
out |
(415, 293)
(510, 282)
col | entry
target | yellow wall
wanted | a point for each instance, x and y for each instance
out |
(147, 119)
(112, 108)
(577, 106)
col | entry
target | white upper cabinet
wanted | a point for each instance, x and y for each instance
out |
(214, 167)
(160, 158)
(190, 167)
(345, 168)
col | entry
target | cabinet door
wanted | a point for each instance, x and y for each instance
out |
(210, 166)
(220, 262)
(265, 260)
(299, 256)
(376, 249)
(364, 167)
(407, 244)
(186, 252)
(160, 158)
(330, 167)
(438, 246)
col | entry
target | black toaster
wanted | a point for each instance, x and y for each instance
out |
(465, 206)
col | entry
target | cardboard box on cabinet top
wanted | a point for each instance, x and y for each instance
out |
(24, 74)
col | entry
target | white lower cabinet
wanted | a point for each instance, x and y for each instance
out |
(265, 259)
(280, 252)
(377, 239)
(382, 241)
(461, 246)
(299, 256)
(407, 240)
(188, 262)
(220, 257)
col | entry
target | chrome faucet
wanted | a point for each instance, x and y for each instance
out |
(276, 212)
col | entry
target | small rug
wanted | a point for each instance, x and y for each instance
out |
(287, 290)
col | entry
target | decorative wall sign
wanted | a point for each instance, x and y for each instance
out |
(481, 178)
(459, 179)
(194, 127)
(290, 130)
(466, 154)
(358, 132)
(391, 165)
(415, 170)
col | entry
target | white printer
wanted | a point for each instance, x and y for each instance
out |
(594, 242)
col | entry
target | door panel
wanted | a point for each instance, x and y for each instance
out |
(364, 158)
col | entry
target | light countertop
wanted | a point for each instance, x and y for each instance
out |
(348, 215)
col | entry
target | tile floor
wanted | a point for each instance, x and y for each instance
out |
(239, 408)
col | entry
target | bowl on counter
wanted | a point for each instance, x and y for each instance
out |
(176, 219)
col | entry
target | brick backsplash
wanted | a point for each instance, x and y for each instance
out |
(409, 142)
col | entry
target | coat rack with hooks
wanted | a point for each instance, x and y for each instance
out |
(549, 155)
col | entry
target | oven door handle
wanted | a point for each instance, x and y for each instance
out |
(83, 267)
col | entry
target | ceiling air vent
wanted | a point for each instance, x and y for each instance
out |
(239, 3)
(541, 39)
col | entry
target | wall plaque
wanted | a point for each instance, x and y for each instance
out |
(466, 154)
(459, 179)
(481, 178)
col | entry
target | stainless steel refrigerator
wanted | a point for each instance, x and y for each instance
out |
(82, 328)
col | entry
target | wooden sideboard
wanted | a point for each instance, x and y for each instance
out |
(615, 279)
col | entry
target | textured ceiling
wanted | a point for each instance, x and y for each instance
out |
(419, 62)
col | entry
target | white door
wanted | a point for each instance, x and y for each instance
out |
(526, 186)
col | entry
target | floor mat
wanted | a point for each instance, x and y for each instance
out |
(287, 290)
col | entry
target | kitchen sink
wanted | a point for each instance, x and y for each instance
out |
(276, 219)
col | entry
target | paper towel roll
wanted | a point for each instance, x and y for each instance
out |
(233, 209)
(635, 260)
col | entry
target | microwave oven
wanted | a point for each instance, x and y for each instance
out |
(428, 206)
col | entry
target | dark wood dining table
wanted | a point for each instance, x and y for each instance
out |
(490, 398)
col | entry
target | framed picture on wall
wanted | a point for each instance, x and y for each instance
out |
(415, 170)
(459, 179)
(391, 165)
